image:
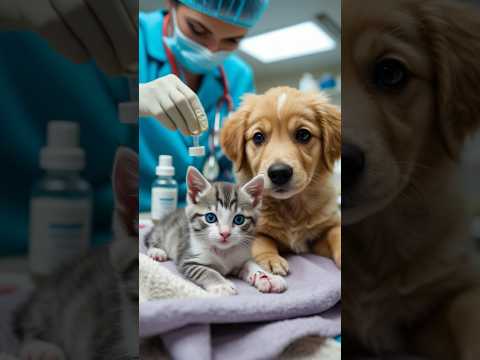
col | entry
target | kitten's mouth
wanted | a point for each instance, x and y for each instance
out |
(220, 249)
(223, 243)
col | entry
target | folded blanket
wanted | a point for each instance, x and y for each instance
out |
(247, 341)
(250, 325)
(313, 287)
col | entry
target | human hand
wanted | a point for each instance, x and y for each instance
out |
(172, 102)
(105, 31)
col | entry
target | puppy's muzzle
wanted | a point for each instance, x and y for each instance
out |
(353, 165)
(280, 174)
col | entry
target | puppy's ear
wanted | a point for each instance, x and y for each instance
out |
(329, 120)
(232, 135)
(453, 30)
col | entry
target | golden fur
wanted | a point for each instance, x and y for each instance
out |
(410, 282)
(304, 218)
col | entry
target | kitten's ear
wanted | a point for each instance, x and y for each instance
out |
(125, 180)
(254, 188)
(124, 249)
(125, 190)
(196, 184)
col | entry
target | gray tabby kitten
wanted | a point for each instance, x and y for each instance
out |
(89, 310)
(212, 236)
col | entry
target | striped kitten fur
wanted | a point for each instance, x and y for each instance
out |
(212, 236)
(89, 310)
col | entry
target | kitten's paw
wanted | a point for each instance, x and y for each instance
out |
(41, 350)
(273, 263)
(224, 289)
(157, 254)
(268, 283)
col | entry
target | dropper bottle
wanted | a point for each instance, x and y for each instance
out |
(164, 194)
(61, 203)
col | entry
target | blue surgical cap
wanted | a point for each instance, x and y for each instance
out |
(244, 13)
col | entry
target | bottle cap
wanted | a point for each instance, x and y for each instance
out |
(165, 167)
(62, 151)
(196, 151)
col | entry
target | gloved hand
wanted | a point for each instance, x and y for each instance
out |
(104, 30)
(173, 103)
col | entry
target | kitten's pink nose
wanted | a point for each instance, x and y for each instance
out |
(225, 235)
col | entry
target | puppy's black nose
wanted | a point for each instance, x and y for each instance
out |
(280, 173)
(353, 164)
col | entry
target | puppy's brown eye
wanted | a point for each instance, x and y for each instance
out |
(303, 136)
(390, 74)
(258, 138)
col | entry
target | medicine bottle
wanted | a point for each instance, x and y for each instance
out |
(60, 203)
(164, 194)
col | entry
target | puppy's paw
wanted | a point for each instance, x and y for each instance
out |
(41, 350)
(273, 263)
(157, 254)
(268, 283)
(223, 289)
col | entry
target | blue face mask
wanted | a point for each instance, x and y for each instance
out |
(192, 56)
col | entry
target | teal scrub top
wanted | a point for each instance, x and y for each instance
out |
(38, 85)
(154, 138)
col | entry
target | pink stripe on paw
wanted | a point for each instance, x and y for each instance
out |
(269, 283)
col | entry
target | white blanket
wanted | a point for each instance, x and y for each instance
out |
(157, 282)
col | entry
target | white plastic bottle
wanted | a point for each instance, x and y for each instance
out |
(60, 204)
(164, 196)
(308, 83)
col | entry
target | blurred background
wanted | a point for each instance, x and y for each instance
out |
(315, 31)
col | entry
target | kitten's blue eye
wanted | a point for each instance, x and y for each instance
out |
(210, 218)
(239, 219)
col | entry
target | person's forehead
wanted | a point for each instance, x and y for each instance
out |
(215, 25)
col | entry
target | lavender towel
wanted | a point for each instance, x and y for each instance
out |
(259, 326)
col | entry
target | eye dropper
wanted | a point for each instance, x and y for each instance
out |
(196, 150)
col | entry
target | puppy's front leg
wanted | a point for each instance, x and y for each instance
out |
(330, 245)
(265, 254)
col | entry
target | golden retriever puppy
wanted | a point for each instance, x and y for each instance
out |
(293, 138)
(410, 76)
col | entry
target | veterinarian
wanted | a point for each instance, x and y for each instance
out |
(194, 41)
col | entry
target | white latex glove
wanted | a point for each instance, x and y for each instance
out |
(105, 30)
(172, 102)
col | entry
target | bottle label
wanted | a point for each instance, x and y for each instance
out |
(164, 201)
(59, 232)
